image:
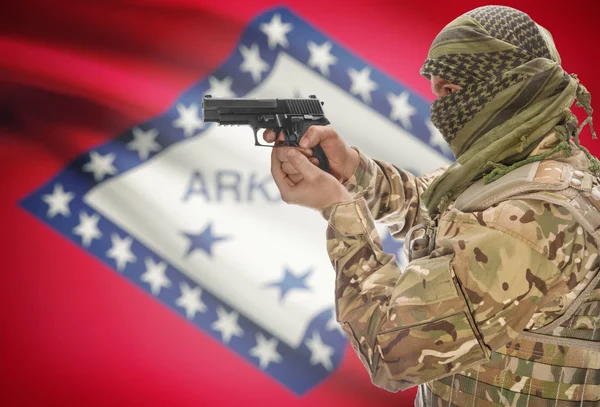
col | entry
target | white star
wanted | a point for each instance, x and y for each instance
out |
(220, 89)
(101, 165)
(87, 228)
(436, 138)
(361, 83)
(188, 119)
(276, 32)
(334, 324)
(190, 300)
(58, 201)
(144, 142)
(319, 352)
(121, 251)
(320, 56)
(253, 63)
(227, 324)
(265, 350)
(155, 275)
(401, 109)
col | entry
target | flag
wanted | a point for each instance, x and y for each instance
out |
(148, 256)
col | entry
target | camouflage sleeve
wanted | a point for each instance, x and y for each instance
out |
(446, 312)
(392, 194)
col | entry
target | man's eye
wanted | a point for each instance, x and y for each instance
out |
(447, 91)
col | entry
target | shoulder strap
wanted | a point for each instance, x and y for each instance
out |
(552, 181)
(537, 176)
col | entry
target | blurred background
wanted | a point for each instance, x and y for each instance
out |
(146, 256)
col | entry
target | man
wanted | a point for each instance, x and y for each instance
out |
(500, 302)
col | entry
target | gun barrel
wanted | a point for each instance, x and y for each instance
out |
(240, 103)
(214, 109)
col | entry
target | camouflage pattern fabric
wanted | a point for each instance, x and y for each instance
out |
(514, 92)
(452, 322)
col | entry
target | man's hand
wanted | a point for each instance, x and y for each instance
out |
(342, 159)
(317, 189)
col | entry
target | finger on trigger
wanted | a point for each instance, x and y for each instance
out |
(269, 135)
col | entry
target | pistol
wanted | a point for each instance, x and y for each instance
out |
(292, 116)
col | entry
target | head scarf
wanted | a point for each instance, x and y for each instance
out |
(514, 92)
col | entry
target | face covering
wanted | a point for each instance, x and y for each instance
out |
(514, 92)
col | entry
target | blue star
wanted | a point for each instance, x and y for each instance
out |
(393, 246)
(203, 240)
(291, 281)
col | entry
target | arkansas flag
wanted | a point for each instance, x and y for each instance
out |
(147, 257)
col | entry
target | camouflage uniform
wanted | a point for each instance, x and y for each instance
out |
(456, 321)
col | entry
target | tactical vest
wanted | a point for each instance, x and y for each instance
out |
(562, 365)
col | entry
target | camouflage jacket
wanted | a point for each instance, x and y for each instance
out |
(451, 321)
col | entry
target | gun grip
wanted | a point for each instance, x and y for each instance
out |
(320, 155)
(299, 128)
